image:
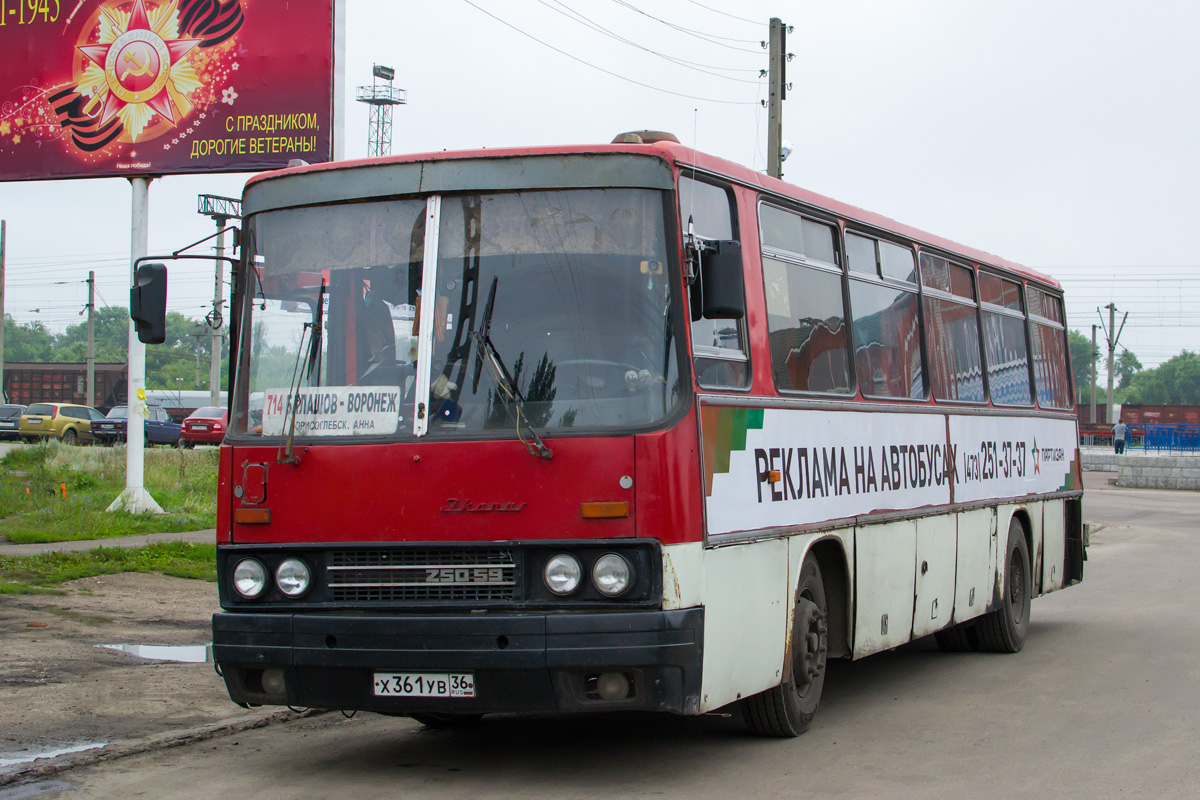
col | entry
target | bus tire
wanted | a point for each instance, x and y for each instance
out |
(447, 721)
(959, 638)
(787, 710)
(1004, 630)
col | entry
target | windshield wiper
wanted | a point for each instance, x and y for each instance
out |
(312, 358)
(504, 381)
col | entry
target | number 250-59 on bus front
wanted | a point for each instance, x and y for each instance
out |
(424, 684)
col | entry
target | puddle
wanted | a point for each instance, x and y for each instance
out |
(187, 654)
(16, 759)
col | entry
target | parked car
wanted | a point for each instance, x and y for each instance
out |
(205, 426)
(158, 426)
(10, 421)
(66, 421)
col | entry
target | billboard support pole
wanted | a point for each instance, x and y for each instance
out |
(135, 498)
(3, 241)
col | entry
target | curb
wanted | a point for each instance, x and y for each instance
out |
(147, 744)
(204, 536)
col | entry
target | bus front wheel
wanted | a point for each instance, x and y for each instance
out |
(788, 709)
(1004, 630)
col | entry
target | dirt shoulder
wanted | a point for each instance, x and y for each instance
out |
(58, 689)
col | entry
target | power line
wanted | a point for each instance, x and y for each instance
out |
(693, 65)
(711, 38)
(602, 69)
(724, 13)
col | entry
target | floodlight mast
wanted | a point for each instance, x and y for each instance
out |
(381, 98)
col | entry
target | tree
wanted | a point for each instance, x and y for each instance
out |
(112, 338)
(170, 365)
(27, 342)
(1126, 367)
(1174, 382)
(1081, 364)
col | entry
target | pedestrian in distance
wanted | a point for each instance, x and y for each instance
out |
(1119, 437)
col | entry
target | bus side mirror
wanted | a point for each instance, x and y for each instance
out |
(148, 303)
(722, 281)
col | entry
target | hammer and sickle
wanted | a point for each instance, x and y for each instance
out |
(131, 58)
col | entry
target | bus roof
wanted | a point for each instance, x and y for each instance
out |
(682, 156)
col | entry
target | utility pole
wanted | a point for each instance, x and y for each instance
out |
(3, 242)
(218, 336)
(220, 210)
(1095, 355)
(91, 356)
(1113, 338)
(777, 93)
(198, 333)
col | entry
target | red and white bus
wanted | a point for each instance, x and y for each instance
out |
(623, 426)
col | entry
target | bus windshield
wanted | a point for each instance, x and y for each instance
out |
(557, 301)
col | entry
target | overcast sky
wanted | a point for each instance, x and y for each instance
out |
(1061, 135)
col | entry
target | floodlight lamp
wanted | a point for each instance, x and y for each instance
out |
(386, 73)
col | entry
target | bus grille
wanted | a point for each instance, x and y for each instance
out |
(422, 575)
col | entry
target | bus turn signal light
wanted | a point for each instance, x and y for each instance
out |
(604, 510)
(774, 476)
(252, 516)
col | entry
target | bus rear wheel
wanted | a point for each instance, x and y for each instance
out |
(788, 710)
(959, 638)
(1004, 630)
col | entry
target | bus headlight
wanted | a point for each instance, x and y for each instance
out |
(612, 574)
(249, 578)
(562, 574)
(292, 577)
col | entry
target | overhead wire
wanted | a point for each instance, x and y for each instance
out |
(602, 69)
(576, 16)
(724, 13)
(711, 38)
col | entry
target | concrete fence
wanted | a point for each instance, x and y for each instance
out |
(1141, 471)
(1159, 472)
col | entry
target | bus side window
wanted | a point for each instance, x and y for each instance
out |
(806, 309)
(1052, 375)
(718, 345)
(1004, 341)
(887, 329)
(952, 330)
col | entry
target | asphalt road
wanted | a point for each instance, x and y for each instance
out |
(1104, 701)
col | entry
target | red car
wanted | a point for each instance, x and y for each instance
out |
(204, 426)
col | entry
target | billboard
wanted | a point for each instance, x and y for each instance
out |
(97, 88)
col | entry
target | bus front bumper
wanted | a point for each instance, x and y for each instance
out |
(517, 661)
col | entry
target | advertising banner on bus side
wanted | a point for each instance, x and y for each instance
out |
(101, 88)
(777, 468)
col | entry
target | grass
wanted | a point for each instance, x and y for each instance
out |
(41, 573)
(33, 507)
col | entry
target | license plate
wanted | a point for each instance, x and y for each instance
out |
(35, 422)
(424, 684)
(199, 427)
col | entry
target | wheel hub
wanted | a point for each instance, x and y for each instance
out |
(810, 645)
(1016, 586)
